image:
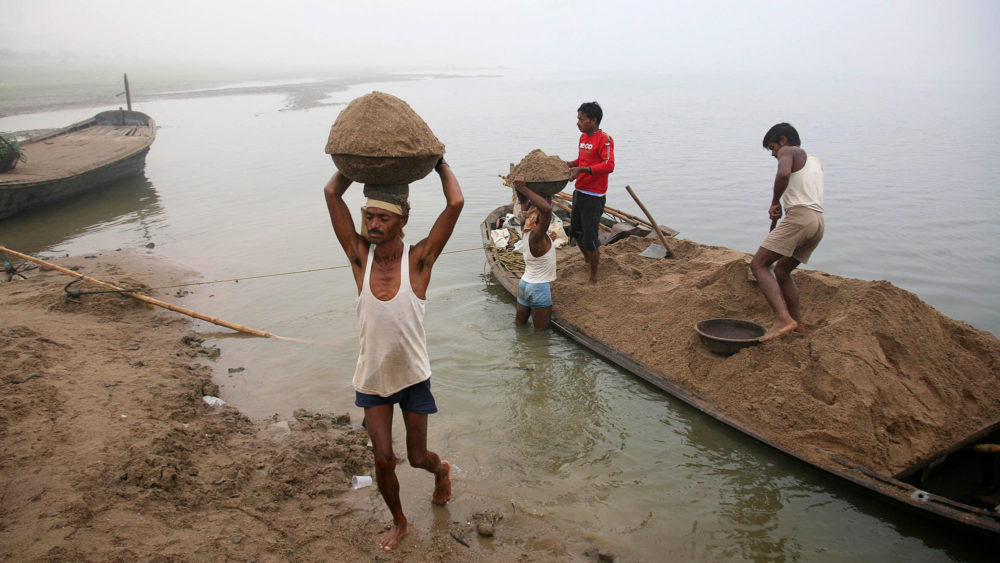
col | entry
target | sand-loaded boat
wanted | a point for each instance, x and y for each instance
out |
(883, 391)
(77, 159)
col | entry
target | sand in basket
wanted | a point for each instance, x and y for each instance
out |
(545, 175)
(379, 139)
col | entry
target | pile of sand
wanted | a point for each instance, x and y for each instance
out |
(536, 166)
(880, 377)
(381, 125)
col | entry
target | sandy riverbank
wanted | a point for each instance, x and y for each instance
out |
(109, 452)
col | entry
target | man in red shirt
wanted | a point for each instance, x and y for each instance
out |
(591, 168)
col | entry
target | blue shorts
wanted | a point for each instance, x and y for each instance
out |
(534, 295)
(415, 398)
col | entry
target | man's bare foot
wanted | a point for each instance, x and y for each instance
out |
(779, 330)
(389, 540)
(442, 486)
(592, 280)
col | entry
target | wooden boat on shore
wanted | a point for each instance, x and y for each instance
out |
(947, 486)
(76, 159)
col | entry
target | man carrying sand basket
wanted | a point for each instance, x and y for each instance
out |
(393, 365)
(534, 292)
(798, 185)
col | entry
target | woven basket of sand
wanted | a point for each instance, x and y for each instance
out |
(545, 175)
(379, 139)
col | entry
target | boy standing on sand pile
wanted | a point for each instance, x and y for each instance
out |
(393, 367)
(798, 186)
(591, 168)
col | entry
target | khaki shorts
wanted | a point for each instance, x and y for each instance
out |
(797, 235)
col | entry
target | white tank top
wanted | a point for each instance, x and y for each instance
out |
(805, 187)
(539, 269)
(393, 345)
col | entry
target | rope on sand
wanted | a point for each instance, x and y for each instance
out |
(189, 312)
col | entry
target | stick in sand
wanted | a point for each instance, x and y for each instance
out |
(152, 301)
(656, 228)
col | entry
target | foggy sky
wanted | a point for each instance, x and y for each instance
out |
(952, 39)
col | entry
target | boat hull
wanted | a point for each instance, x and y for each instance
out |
(77, 170)
(961, 516)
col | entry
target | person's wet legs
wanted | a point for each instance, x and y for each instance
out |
(540, 318)
(419, 456)
(379, 423)
(523, 312)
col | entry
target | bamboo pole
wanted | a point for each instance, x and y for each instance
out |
(624, 216)
(627, 217)
(128, 95)
(656, 228)
(152, 301)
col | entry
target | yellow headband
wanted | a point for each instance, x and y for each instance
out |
(379, 204)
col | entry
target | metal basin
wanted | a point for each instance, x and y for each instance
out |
(728, 336)
(385, 170)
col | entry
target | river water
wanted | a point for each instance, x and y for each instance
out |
(232, 188)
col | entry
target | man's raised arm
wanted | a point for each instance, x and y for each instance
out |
(544, 207)
(430, 248)
(340, 216)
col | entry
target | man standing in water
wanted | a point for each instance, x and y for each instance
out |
(798, 186)
(591, 168)
(534, 292)
(393, 367)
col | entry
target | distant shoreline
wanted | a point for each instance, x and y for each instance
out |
(300, 95)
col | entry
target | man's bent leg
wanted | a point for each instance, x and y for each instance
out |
(789, 291)
(760, 266)
(583, 249)
(419, 456)
(379, 421)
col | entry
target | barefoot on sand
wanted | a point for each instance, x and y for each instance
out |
(389, 540)
(442, 486)
(779, 330)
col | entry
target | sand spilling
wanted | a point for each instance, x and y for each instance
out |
(880, 378)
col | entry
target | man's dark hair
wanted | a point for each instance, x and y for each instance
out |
(774, 135)
(592, 110)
